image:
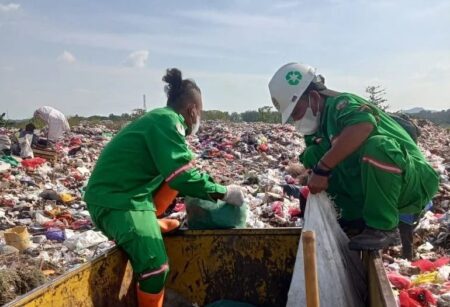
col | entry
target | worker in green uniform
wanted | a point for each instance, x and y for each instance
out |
(146, 157)
(380, 172)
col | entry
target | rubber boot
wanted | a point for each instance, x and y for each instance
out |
(163, 198)
(149, 299)
(406, 234)
(352, 228)
(168, 225)
(374, 239)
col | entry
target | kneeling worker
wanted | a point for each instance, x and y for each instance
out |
(378, 170)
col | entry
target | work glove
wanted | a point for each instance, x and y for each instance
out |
(234, 195)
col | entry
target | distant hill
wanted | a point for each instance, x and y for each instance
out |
(413, 110)
(438, 117)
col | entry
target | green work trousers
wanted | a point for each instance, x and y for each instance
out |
(139, 235)
(380, 181)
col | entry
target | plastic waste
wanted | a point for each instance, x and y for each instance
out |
(427, 278)
(55, 234)
(66, 197)
(25, 146)
(33, 163)
(204, 214)
(18, 237)
(399, 281)
(41, 219)
(84, 240)
(420, 296)
(426, 265)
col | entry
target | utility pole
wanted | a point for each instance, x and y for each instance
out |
(145, 103)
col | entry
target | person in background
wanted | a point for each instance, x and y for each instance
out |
(379, 172)
(138, 175)
(29, 129)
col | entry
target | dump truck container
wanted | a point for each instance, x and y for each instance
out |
(254, 266)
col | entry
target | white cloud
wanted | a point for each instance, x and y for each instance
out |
(9, 7)
(66, 57)
(234, 19)
(137, 58)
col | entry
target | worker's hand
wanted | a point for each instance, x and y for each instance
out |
(317, 184)
(234, 195)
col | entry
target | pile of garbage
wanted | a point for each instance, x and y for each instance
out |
(260, 157)
(44, 223)
(426, 280)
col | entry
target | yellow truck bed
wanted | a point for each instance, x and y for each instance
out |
(247, 265)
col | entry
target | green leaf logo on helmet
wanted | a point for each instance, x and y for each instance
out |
(293, 77)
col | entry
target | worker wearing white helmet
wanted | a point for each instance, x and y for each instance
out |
(380, 170)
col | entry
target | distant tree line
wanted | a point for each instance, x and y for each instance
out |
(441, 118)
(263, 114)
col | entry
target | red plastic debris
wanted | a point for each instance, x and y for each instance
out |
(79, 224)
(33, 163)
(304, 191)
(423, 296)
(75, 141)
(277, 208)
(263, 147)
(289, 179)
(399, 281)
(406, 301)
(294, 211)
(228, 156)
(179, 207)
(426, 265)
(7, 202)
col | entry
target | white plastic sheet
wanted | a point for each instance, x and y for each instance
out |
(340, 271)
(84, 240)
(25, 146)
(5, 142)
(56, 122)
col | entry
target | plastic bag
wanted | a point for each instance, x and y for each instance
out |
(204, 214)
(33, 163)
(426, 265)
(25, 146)
(84, 240)
(399, 281)
(342, 282)
(427, 278)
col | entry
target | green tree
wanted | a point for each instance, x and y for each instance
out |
(376, 95)
(250, 116)
(235, 117)
(215, 115)
(264, 113)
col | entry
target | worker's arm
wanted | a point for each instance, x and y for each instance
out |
(168, 148)
(348, 142)
(358, 121)
(345, 144)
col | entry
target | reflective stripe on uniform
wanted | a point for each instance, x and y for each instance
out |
(179, 171)
(390, 168)
(148, 274)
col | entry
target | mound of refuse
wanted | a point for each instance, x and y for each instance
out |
(45, 225)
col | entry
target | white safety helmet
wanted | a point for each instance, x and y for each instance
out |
(288, 85)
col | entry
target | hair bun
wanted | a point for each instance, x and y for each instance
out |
(173, 78)
(177, 89)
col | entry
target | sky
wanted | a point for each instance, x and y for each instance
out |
(100, 57)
